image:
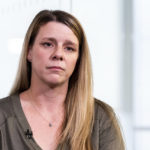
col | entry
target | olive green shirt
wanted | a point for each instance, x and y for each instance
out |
(16, 133)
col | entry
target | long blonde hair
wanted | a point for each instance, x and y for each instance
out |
(79, 101)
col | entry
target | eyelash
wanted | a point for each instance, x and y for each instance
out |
(47, 44)
(70, 49)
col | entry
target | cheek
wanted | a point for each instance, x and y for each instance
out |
(73, 63)
(39, 57)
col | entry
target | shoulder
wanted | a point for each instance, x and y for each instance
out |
(103, 110)
(106, 116)
(6, 109)
(5, 104)
(107, 125)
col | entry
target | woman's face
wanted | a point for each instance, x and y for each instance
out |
(54, 54)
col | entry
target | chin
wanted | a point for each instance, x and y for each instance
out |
(55, 80)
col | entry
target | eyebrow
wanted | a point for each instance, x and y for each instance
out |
(67, 42)
(49, 39)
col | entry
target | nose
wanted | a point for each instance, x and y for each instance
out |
(58, 54)
(57, 58)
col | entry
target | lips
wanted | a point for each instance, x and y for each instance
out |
(55, 68)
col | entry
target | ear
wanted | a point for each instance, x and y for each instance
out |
(29, 55)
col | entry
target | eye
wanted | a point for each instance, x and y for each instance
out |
(47, 44)
(70, 49)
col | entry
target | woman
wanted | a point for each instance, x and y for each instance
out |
(51, 105)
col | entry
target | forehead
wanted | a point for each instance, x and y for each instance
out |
(56, 30)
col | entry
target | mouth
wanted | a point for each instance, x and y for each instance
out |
(55, 68)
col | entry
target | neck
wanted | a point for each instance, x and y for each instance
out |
(47, 98)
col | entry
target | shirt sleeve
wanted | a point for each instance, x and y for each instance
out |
(110, 137)
(0, 140)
